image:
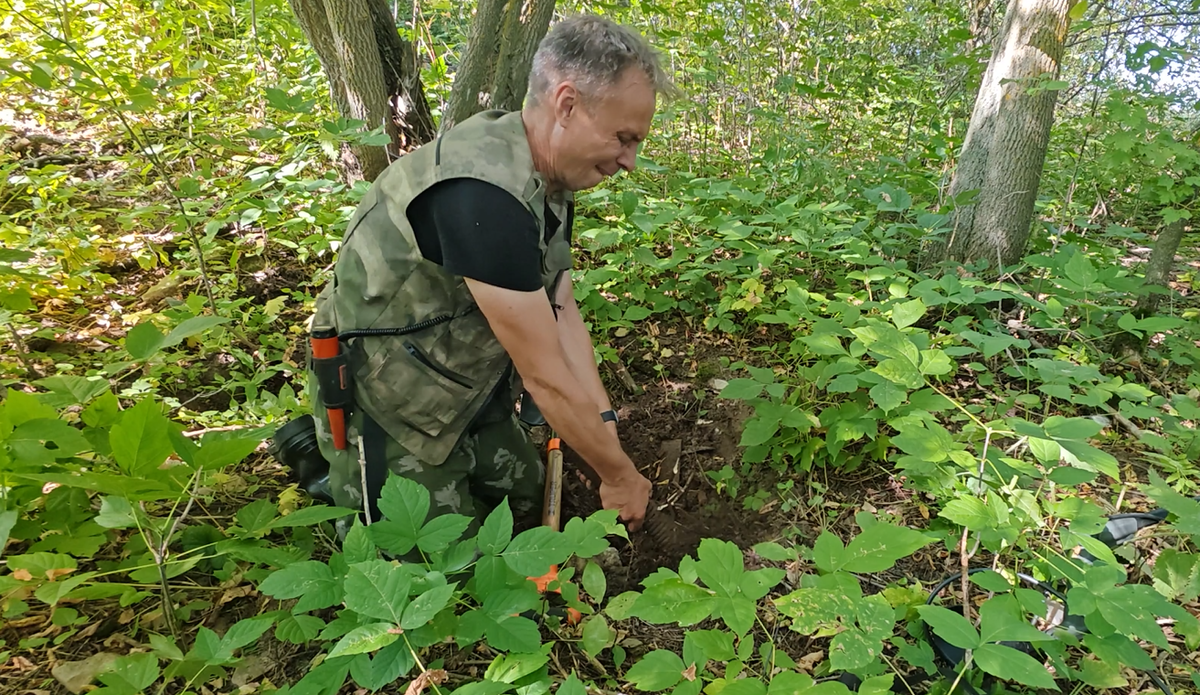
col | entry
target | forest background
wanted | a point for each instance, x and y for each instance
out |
(899, 307)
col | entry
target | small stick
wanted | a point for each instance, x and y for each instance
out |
(626, 379)
(362, 467)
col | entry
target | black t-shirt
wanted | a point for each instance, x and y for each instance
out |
(478, 230)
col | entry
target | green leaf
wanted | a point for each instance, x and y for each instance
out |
(131, 674)
(720, 566)
(936, 363)
(143, 341)
(824, 344)
(742, 389)
(571, 686)
(759, 430)
(8, 519)
(594, 582)
(116, 512)
(358, 546)
(497, 529)
(657, 670)
(637, 313)
(311, 580)
(900, 371)
(441, 531)
(969, 512)
(362, 640)
(190, 327)
(1078, 10)
(218, 450)
(140, 441)
(69, 390)
(43, 565)
(310, 516)
(245, 632)
(426, 606)
(1045, 450)
(405, 503)
(908, 313)
(1186, 511)
(888, 396)
(879, 546)
(1080, 270)
(514, 634)
(991, 580)
(673, 601)
(257, 516)
(387, 666)
(1075, 428)
(770, 550)
(828, 552)
(533, 551)
(1001, 620)
(1176, 575)
(378, 589)
(298, 629)
(950, 626)
(595, 634)
(1009, 664)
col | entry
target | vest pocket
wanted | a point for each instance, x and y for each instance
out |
(409, 386)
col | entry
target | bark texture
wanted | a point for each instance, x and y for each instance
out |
(494, 73)
(1158, 273)
(373, 76)
(1005, 146)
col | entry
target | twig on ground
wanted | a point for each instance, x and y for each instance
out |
(208, 430)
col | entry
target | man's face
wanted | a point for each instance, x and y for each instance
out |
(596, 138)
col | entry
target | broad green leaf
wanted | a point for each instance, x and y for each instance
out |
(298, 629)
(879, 546)
(8, 519)
(1076, 428)
(365, 639)
(190, 327)
(103, 412)
(1001, 620)
(497, 529)
(936, 363)
(257, 516)
(131, 674)
(219, 450)
(116, 512)
(44, 440)
(143, 341)
(1046, 450)
(1080, 270)
(245, 632)
(771, 550)
(908, 313)
(497, 688)
(510, 668)
(1078, 10)
(66, 390)
(1186, 511)
(441, 531)
(824, 344)
(759, 430)
(358, 546)
(991, 580)
(1176, 575)
(737, 612)
(596, 634)
(657, 670)
(533, 551)
(310, 516)
(757, 584)
(310, 580)
(571, 686)
(950, 626)
(828, 552)
(1009, 664)
(673, 601)
(378, 589)
(743, 686)
(405, 504)
(424, 607)
(900, 371)
(387, 666)
(514, 634)
(42, 565)
(929, 442)
(594, 582)
(888, 396)
(140, 441)
(969, 512)
(1119, 649)
(1101, 675)
(720, 565)
(742, 389)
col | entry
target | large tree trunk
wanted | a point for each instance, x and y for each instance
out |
(494, 72)
(1006, 142)
(373, 76)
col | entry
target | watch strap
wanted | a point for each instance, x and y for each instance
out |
(609, 416)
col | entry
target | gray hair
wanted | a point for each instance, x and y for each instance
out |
(595, 52)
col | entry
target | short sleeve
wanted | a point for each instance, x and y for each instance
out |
(478, 230)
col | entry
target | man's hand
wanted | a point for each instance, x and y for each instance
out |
(630, 495)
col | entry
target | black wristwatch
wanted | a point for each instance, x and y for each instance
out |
(609, 416)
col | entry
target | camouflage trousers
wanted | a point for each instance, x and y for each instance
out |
(493, 460)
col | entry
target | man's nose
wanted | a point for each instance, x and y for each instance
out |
(627, 160)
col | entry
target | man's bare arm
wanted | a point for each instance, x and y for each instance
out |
(524, 324)
(578, 347)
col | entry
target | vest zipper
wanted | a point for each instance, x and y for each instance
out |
(423, 359)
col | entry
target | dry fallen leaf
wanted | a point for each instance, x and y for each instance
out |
(77, 675)
(690, 672)
(810, 661)
(22, 575)
(421, 682)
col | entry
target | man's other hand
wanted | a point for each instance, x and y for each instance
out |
(631, 495)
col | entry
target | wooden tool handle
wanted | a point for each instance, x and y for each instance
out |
(552, 504)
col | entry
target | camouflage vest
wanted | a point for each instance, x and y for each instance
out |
(425, 388)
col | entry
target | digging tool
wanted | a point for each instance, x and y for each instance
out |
(552, 514)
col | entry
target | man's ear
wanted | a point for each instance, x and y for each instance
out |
(566, 101)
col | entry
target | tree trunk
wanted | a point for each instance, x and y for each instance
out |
(373, 76)
(1006, 142)
(524, 26)
(1158, 272)
(494, 72)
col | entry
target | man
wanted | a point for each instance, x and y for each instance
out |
(457, 265)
